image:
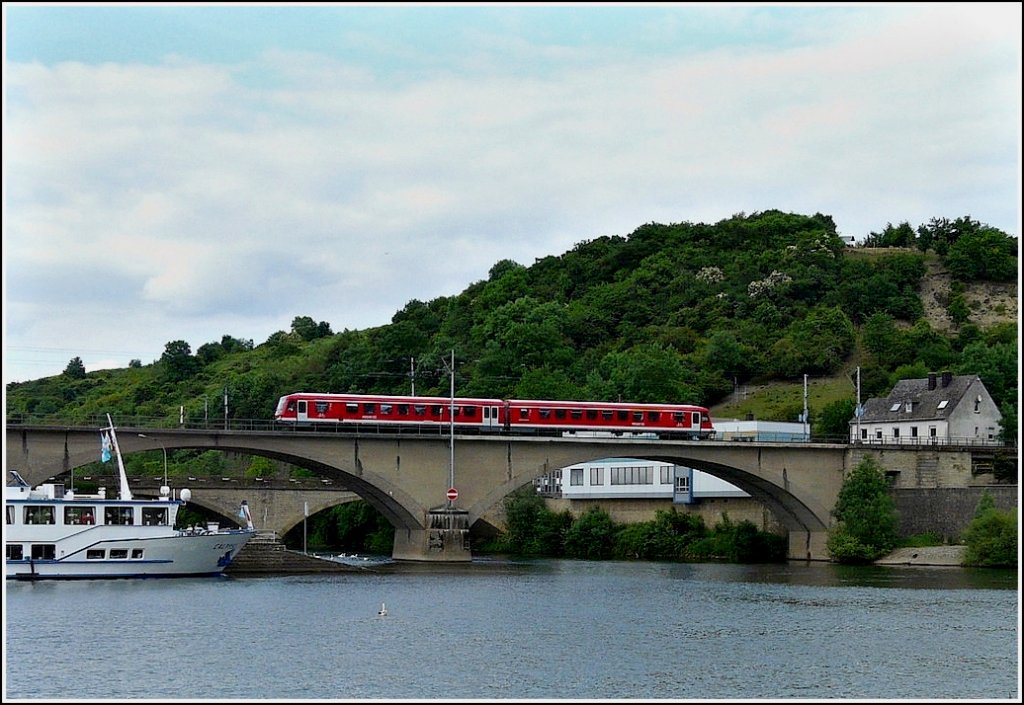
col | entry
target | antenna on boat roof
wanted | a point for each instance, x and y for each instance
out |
(126, 493)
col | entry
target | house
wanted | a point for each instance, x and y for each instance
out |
(941, 409)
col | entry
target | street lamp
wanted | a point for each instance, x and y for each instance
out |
(165, 489)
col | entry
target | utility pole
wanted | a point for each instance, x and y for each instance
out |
(858, 411)
(412, 374)
(807, 430)
(451, 421)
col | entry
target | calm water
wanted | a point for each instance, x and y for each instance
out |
(543, 629)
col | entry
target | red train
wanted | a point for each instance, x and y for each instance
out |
(498, 415)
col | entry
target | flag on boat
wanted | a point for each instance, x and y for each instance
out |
(105, 448)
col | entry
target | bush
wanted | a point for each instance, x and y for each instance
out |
(991, 538)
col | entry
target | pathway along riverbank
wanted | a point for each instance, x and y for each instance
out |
(266, 554)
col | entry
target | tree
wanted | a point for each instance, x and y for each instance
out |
(866, 516)
(177, 361)
(834, 419)
(986, 254)
(75, 369)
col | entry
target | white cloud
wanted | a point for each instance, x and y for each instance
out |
(190, 201)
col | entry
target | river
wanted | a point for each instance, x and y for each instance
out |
(534, 629)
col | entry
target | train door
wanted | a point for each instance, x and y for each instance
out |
(491, 417)
(301, 413)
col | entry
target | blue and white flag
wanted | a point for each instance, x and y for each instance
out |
(105, 448)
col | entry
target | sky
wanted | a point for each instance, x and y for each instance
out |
(189, 171)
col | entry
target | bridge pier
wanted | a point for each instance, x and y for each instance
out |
(808, 545)
(445, 540)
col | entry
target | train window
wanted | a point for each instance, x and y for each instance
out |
(638, 416)
(437, 410)
(622, 414)
(321, 406)
(457, 410)
(291, 405)
(403, 409)
(352, 408)
(606, 415)
(678, 416)
(469, 410)
(560, 413)
(576, 413)
(544, 413)
(369, 408)
(419, 409)
(653, 415)
(591, 414)
(524, 414)
(385, 408)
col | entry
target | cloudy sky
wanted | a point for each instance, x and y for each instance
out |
(182, 172)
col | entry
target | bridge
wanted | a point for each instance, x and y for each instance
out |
(406, 476)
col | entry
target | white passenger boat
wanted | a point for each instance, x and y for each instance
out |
(56, 534)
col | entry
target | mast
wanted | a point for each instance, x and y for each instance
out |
(126, 493)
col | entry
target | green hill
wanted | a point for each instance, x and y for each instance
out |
(731, 315)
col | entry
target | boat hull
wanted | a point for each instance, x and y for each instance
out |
(178, 555)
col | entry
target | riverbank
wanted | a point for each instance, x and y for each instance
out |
(925, 555)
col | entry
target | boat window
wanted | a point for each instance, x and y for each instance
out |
(95, 554)
(10, 513)
(120, 553)
(369, 408)
(137, 553)
(39, 515)
(154, 516)
(15, 552)
(44, 551)
(79, 515)
(118, 515)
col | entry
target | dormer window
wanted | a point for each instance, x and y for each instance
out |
(943, 403)
(908, 407)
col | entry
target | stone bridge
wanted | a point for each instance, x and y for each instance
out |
(406, 476)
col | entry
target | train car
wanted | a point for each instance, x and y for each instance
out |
(390, 410)
(497, 415)
(612, 418)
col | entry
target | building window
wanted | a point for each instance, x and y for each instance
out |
(596, 476)
(932, 431)
(895, 433)
(943, 403)
(878, 434)
(863, 434)
(576, 477)
(633, 476)
(666, 474)
(895, 407)
(682, 484)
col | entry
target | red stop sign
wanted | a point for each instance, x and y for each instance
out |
(452, 494)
